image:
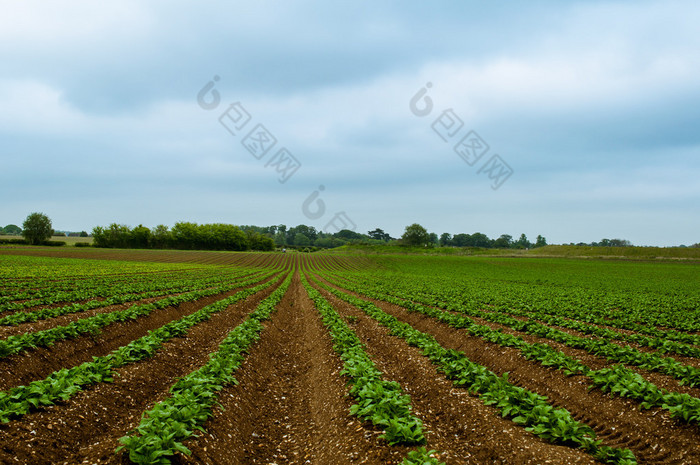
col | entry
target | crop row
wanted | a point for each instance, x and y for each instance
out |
(163, 428)
(522, 406)
(15, 344)
(53, 269)
(64, 383)
(42, 288)
(147, 291)
(687, 375)
(26, 277)
(665, 340)
(662, 341)
(617, 380)
(379, 401)
(627, 294)
(85, 292)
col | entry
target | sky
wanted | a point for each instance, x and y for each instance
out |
(574, 120)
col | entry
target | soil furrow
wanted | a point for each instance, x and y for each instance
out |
(86, 429)
(38, 363)
(597, 362)
(458, 425)
(291, 405)
(652, 435)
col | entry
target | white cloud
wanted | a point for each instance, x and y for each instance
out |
(34, 24)
(109, 90)
(36, 108)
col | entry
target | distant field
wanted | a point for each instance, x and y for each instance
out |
(617, 252)
(567, 251)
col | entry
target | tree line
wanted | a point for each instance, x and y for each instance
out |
(183, 235)
(417, 235)
(218, 236)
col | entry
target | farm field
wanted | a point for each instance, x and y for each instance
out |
(186, 357)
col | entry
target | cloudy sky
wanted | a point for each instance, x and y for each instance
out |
(584, 116)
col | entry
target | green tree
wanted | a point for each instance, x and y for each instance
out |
(379, 234)
(309, 231)
(347, 235)
(258, 241)
(301, 239)
(118, 235)
(445, 239)
(161, 237)
(461, 240)
(99, 237)
(433, 238)
(523, 242)
(479, 240)
(620, 243)
(37, 228)
(541, 241)
(503, 242)
(185, 235)
(415, 234)
(13, 229)
(140, 237)
(328, 242)
(83, 234)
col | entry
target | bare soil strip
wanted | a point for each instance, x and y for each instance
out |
(23, 368)
(291, 404)
(86, 429)
(652, 435)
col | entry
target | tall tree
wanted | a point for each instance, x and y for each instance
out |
(445, 239)
(433, 238)
(415, 234)
(301, 239)
(461, 240)
(503, 242)
(479, 240)
(379, 235)
(37, 228)
(161, 237)
(13, 229)
(541, 241)
(523, 242)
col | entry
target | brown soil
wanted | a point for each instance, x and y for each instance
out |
(61, 320)
(597, 362)
(458, 425)
(86, 429)
(291, 404)
(652, 435)
(35, 364)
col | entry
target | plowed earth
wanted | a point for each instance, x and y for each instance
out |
(652, 435)
(291, 404)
